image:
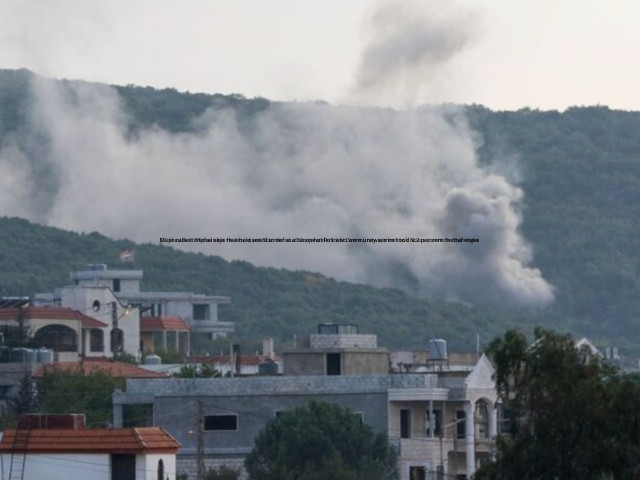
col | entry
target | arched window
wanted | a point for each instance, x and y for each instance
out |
(482, 419)
(160, 470)
(57, 337)
(117, 340)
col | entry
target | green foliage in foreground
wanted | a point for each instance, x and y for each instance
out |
(569, 416)
(62, 391)
(320, 441)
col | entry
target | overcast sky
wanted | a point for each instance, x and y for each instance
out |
(543, 54)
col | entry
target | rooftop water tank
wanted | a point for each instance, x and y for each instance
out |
(152, 359)
(437, 349)
(44, 355)
(22, 355)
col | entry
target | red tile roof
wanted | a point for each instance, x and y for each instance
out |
(86, 440)
(162, 323)
(49, 313)
(115, 369)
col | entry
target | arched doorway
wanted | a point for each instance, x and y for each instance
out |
(59, 338)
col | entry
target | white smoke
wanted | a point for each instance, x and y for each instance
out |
(410, 45)
(303, 170)
(294, 170)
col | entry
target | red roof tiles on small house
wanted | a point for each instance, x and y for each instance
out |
(86, 440)
(115, 369)
(49, 313)
(154, 324)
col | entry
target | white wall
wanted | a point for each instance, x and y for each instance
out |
(83, 298)
(147, 466)
(57, 466)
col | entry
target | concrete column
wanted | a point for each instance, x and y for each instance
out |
(469, 438)
(493, 421)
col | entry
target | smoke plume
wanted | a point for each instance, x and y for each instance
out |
(293, 170)
(409, 46)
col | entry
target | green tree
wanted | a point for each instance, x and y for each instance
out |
(568, 415)
(62, 391)
(222, 473)
(320, 441)
(23, 401)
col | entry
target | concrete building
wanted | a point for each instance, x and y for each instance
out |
(114, 297)
(441, 419)
(199, 311)
(59, 447)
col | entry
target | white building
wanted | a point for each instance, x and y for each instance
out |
(199, 311)
(48, 447)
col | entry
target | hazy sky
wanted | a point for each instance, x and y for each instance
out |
(541, 54)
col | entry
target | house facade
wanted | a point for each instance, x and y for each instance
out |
(59, 447)
(440, 419)
(96, 288)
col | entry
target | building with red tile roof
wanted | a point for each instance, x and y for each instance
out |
(88, 366)
(69, 333)
(147, 453)
(164, 332)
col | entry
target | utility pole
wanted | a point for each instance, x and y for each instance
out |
(200, 446)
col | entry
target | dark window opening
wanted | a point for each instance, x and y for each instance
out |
(221, 422)
(201, 312)
(117, 340)
(461, 423)
(434, 429)
(96, 340)
(161, 470)
(116, 284)
(405, 423)
(334, 366)
(417, 473)
(123, 466)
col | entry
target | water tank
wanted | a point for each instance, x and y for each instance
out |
(268, 368)
(152, 359)
(437, 349)
(44, 355)
(22, 355)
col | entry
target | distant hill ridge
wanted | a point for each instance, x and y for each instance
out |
(579, 169)
(265, 301)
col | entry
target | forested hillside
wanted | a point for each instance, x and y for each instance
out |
(579, 170)
(265, 301)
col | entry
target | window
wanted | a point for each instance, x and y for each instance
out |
(334, 361)
(201, 311)
(417, 473)
(482, 419)
(461, 423)
(221, 422)
(117, 340)
(160, 470)
(116, 284)
(405, 423)
(96, 340)
(433, 429)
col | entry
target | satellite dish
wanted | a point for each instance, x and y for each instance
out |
(96, 306)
